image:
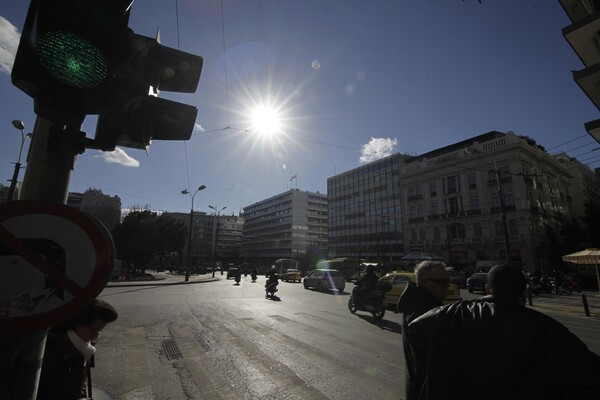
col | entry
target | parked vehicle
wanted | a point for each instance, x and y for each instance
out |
(325, 279)
(476, 282)
(399, 280)
(457, 279)
(374, 302)
(292, 274)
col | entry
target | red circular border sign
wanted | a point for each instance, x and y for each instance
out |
(84, 295)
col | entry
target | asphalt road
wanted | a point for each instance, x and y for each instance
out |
(220, 341)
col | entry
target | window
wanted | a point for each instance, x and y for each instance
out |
(472, 180)
(433, 189)
(422, 234)
(474, 202)
(413, 234)
(451, 184)
(509, 199)
(434, 207)
(456, 231)
(495, 200)
(453, 205)
(436, 233)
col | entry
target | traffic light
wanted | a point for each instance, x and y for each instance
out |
(69, 51)
(136, 115)
(78, 58)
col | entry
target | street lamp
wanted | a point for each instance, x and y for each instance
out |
(13, 183)
(214, 234)
(189, 239)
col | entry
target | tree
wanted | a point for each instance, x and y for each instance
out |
(144, 235)
(170, 236)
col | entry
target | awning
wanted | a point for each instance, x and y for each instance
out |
(585, 257)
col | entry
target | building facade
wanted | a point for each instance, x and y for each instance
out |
(104, 207)
(365, 211)
(214, 237)
(292, 224)
(496, 196)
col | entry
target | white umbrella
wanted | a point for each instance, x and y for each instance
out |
(587, 257)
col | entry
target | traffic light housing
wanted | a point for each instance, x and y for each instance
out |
(69, 51)
(79, 58)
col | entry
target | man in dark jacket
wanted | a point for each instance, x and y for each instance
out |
(365, 285)
(429, 291)
(496, 348)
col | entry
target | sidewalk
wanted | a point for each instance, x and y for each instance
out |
(569, 304)
(166, 278)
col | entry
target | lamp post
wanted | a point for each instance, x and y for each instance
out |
(189, 239)
(214, 234)
(13, 183)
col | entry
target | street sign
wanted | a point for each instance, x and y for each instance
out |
(54, 260)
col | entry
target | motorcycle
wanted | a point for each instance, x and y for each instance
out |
(271, 286)
(253, 276)
(237, 279)
(374, 302)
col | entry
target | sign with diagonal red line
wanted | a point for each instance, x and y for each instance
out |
(53, 261)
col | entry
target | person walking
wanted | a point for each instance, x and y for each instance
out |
(496, 348)
(69, 353)
(429, 291)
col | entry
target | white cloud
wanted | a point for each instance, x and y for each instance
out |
(9, 42)
(377, 148)
(118, 156)
(198, 127)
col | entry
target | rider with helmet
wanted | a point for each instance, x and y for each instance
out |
(272, 277)
(366, 284)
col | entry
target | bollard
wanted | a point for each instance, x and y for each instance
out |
(586, 307)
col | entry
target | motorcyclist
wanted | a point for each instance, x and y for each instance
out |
(365, 285)
(254, 273)
(272, 277)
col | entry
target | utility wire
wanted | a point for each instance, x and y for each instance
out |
(569, 141)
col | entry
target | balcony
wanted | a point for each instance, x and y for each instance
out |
(474, 212)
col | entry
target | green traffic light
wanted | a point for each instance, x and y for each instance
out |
(72, 60)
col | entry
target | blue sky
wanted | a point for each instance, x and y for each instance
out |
(350, 80)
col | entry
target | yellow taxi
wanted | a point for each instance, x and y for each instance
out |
(399, 280)
(292, 274)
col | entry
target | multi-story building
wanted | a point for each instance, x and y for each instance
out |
(492, 197)
(104, 207)
(214, 237)
(365, 211)
(292, 224)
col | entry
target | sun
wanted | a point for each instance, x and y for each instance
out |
(265, 121)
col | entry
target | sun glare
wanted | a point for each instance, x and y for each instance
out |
(265, 121)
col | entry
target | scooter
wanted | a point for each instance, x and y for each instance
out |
(374, 302)
(271, 287)
(237, 279)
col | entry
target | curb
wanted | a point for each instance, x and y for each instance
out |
(160, 282)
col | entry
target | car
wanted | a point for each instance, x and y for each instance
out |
(232, 272)
(399, 280)
(457, 279)
(476, 282)
(325, 279)
(292, 274)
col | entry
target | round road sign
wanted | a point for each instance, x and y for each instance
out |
(54, 260)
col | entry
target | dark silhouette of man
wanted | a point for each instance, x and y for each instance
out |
(496, 348)
(429, 291)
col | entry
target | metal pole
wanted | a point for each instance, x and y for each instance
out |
(13, 182)
(50, 162)
(189, 243)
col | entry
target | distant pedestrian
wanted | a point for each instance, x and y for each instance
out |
(496, 348)
(429, 291)
(69, 353)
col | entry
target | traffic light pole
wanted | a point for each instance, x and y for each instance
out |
(49, 165)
